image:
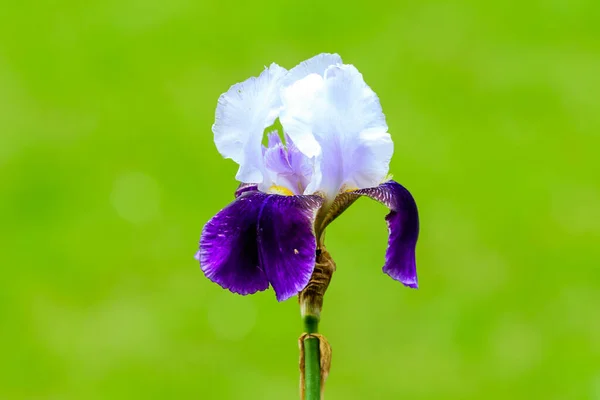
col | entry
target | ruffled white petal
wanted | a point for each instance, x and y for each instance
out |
(243, 112)
(315, 65)
(336, 120)
(302, 101)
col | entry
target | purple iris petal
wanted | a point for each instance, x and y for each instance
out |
(300, 164)
(276, 158)
(285, 166)
(228, 252)
(403, 225)
(286, 241)
(273, 139)
(245, 187)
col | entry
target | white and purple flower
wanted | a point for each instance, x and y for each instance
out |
(333, 149)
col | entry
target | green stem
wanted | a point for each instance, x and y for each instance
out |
(312, 360)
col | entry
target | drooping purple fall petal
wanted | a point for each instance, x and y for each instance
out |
(403, 225)
(286, 242)
(228, 246)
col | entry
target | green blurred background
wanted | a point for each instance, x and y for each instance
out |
(108, 172)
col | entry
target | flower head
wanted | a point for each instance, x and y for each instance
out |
(334, 148)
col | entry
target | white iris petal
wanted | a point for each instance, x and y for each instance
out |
(339, 133)
(337, 121)
(242, 115)
(315, 65)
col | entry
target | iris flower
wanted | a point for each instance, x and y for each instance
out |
(334, 148)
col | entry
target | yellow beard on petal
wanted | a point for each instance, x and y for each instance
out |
(348, 189)
(280, 190)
